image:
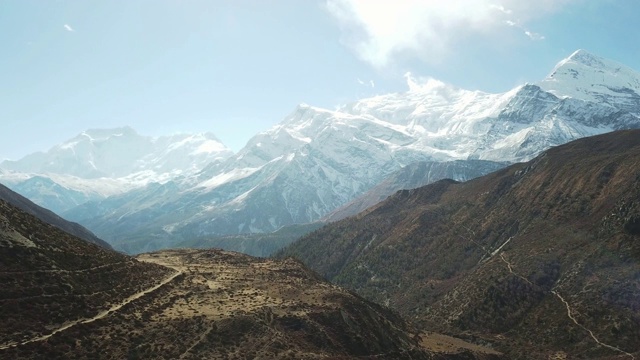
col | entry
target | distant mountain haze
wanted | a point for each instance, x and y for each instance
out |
(121, 152)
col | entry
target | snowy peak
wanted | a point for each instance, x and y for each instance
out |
(295, 131)
(588, 77)
(432, 88)
(586, 58)
(428, 100)
(122, 152)
(584, 95)
(194, 144)
(95, 137)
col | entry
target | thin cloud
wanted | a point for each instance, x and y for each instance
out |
(534, 36)
(380, 31)
(68, 28)
(418, 83)
(530, 34)
(370, 83)
(501, 8)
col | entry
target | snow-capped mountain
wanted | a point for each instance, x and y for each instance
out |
(57, 198)
(583, 76)
(316, 160)
(103, 162)
(121, 152)
(583, 95)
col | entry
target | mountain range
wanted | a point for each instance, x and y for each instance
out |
(102, 162)
(317, 160)
(540, 259)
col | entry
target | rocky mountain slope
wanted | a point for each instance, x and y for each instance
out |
(542, 259)
(317, 160)
(49, 217)
(64, 298)
(413, 176)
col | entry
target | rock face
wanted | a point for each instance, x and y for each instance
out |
(317, 160)
(541, 258)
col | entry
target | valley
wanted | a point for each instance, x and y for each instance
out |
(226, 305)
(67, 298)
(435, 223)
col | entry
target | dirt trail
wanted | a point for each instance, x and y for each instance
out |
(569, 312)
(97, 317)
(202, 338)
(570, 315)
(510, 268)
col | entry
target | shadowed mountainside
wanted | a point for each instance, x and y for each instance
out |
(541, 258)
(48, 216)
(413, 176)
(50, 278)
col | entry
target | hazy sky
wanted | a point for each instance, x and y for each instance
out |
(237, 67)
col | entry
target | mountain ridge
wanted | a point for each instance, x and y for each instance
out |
(413, 176)
(49, 217)
(99, 152)
(537, 258)
(99, 163)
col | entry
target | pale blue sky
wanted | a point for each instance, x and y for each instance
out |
(237, 67)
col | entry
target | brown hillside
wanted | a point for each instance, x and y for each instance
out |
(50, 278)
(223, 305)
(542, 258)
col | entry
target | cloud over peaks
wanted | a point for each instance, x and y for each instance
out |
(378, 31)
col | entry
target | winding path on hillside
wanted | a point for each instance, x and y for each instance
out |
(570, 311)
(570, 315)
(100, 315)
